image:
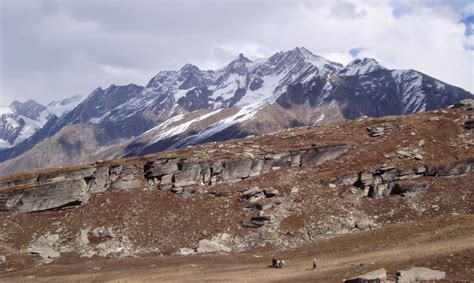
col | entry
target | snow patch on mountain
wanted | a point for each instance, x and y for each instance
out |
(5, 110)
(181, 128)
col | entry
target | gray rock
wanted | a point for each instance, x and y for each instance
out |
(252, 224)
(166, 182)
(209, 246)
(363, 224)
(461, 167)
(403, 153)
(82, 238)
(45, 197)
(256, 197)
(161, 167)
(295, 161)
(185, 252)
(237, 169)
(264, 205)
(348, 179)
(48, 240)
(270, 192)
(418, 156)
(389, 176)
(126, 185)
(376, 131)
(367, 179)
(378, 190)
(103, 232)
(257, 167)
(417, 274)
(189, 174)
(318, 155)
(3, 259)
(379, 274)
(100, 180)
(44, 252)
(421, 143)
(252, 191)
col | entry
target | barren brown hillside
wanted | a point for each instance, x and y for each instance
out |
(392, 192)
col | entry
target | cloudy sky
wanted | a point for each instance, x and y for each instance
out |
(55, 49)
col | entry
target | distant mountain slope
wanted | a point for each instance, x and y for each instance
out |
(20, 120)
(192, 106)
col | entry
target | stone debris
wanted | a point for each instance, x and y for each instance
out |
(261, 200)
(409, 153)
(378, 131)
(419, 274)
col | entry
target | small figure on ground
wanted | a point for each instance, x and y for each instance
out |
(315, 265)
(278, 263)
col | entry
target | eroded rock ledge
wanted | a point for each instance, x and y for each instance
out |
(57, 190)
(387, 180)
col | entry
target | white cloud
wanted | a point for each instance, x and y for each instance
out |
(52, 49)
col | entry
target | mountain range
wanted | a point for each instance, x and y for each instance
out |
(192, 106)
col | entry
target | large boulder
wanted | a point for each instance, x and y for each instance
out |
(378, 275)
(417, 274)
(209, 246)
(44, 197)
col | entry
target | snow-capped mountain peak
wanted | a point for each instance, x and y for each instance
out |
(30, 108)
(20, 120)
(361, 67)
(238, 66)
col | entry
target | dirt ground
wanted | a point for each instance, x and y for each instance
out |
(445, 243)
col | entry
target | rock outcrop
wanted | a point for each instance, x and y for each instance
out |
(44, 197)
(419, 274)
(171, 173)
(387, 180)
(70, 188)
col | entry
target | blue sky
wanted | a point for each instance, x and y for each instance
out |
(51, 49)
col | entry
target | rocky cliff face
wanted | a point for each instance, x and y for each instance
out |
(289, 89)
(57, 190)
